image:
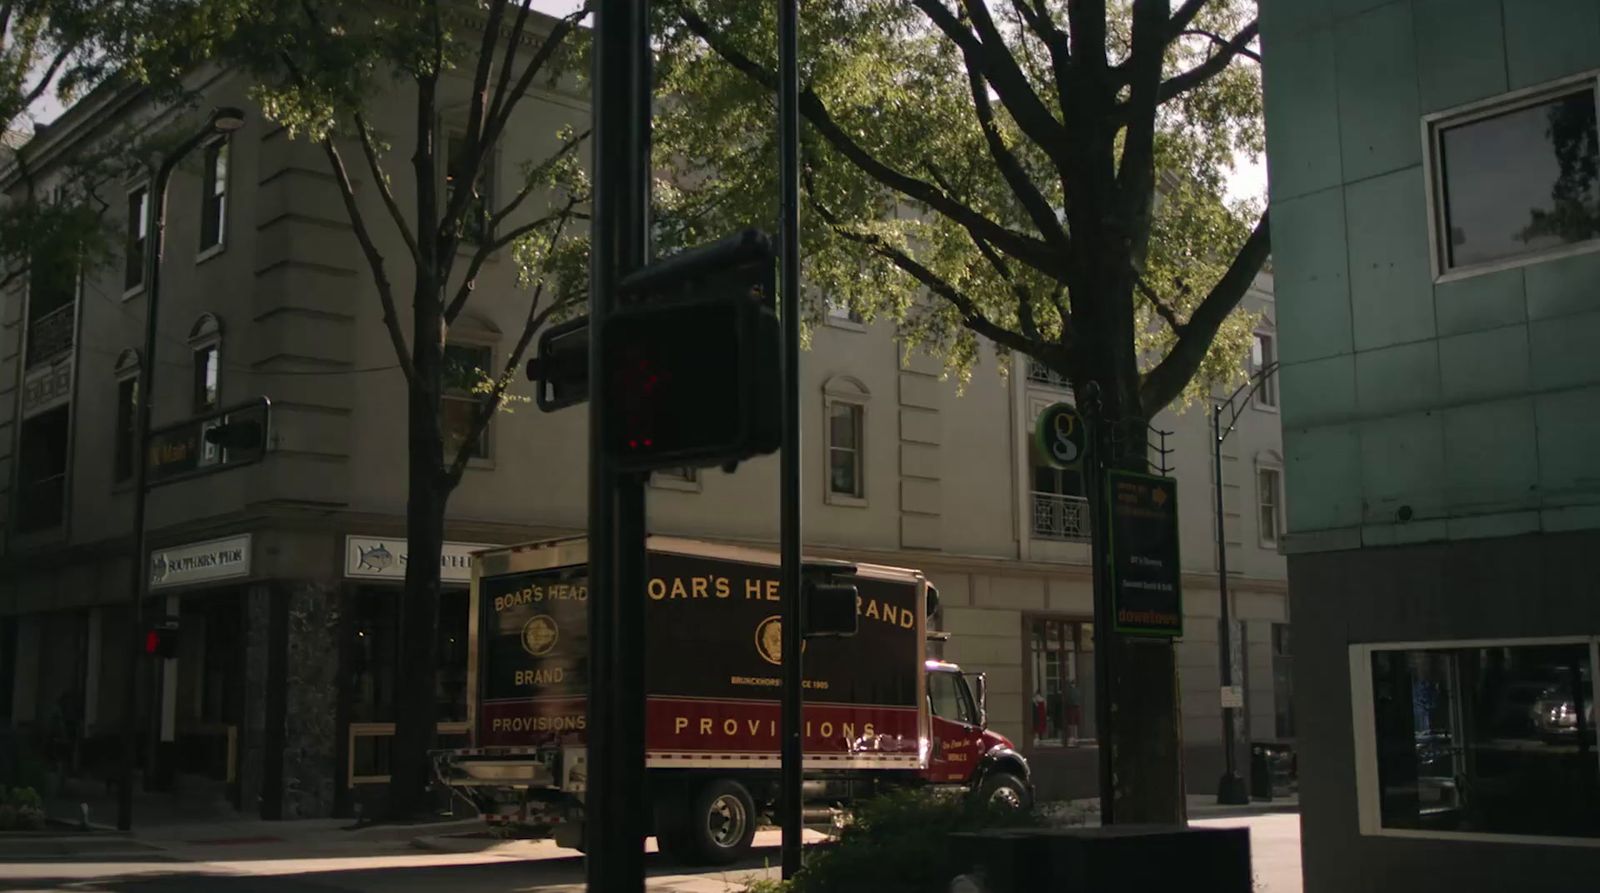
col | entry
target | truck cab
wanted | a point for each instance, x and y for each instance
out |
(962, 749)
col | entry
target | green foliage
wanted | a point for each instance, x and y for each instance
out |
(893, 118)
(896, 843)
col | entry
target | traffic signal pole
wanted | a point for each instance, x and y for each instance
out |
(789, 803)
(614, 827)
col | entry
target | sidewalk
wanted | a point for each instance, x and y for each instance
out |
(1200, 807)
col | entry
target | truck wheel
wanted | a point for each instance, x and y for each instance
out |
(722, 821)
(1004, 789)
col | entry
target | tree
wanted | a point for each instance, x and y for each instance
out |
(48, 50)
(320, 66)
(1044, 175)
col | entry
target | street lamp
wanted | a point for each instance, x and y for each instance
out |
(1231, 787)
(221, 121)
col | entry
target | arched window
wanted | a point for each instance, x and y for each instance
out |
(205, 347)
(126, 373)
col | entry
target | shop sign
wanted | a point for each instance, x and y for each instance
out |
(1146, 579)
(378, 558)
(1061, 436)
(222, 559)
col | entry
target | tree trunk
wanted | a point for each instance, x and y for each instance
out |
(1146, 722)
(428, 489)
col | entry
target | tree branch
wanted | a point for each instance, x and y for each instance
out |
(986, 51)
(380, 277)
(1162, 308)
(491, 402)
(1136, 171)
(487, 250)
(1221, 42)
(381, 180)
(1166, 381)
(47, 77)
(1029, 250)
(1185, 14)
(1026, 191)
(1205, 71)
(513, 42)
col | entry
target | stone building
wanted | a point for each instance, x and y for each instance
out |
(1434, 220)
(285, 574)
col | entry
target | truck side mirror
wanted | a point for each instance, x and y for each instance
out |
(980, 685)
(828, 609)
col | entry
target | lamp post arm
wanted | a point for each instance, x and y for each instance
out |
(1246, 390)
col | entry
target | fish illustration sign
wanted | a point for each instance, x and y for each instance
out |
(379, 558)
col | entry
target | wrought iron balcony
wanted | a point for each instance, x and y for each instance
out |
(50, 336)
(1058, 517)
(1039, 373)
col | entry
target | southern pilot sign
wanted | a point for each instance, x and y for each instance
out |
(1146, 579)
(1061, 435)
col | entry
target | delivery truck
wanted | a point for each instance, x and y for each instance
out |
(879, 712)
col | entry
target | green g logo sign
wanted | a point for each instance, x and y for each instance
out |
(1061, 435)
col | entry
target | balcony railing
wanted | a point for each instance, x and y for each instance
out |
(1058, 517)
(50, 336)
(1039, 373)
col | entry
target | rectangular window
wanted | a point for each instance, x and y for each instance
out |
(1516, 181)
(843, 313)
(1282, 682)
(1060, 707)
(127, 406)
(42, 471)
(52, 293)
(844, 450)
(1269, 487)
(1263, 353)
(466, 376)
(475, 220)
(1039, 373)
(207, 378)
(214, 195)
(1479, 738)
(683, 475)
(138, 230)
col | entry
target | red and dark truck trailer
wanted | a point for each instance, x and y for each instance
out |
(879, 713)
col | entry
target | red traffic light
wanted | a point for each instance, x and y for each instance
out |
(161, 640)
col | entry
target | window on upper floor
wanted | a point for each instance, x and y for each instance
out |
(42, 471)
(214, 194)
(134, 247)
(1263, 353)
(206, 378)
(1039, 373)
(52, 291)
(127, 412)
(475, 220)
(1515, 180)
(1269, 502)
(845, 454)
(466, 373)
(843, 314)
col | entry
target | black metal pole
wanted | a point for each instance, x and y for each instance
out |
(1099, 531)
(789, 802)
(614, 821)
(1230, 787)
(138, 570)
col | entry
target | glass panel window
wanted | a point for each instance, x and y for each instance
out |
(1263, 353)
(1497, 740)
(844, 449)
(1282, 681)
(375, 648)
(207, 378)
(1269, 496)
(466, 375)
(42, 471)
(1518, 182)
(475, 220)
(947, 698)
(138, 229)
(127, 404)
(214, 195)
(1061, 661)
(843, 313)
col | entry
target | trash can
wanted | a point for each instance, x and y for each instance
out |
(1271, 770)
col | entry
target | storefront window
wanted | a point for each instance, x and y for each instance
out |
(374, 657)
(1061, 660)
(1497, 740)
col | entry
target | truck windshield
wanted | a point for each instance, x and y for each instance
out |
(948, 698)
